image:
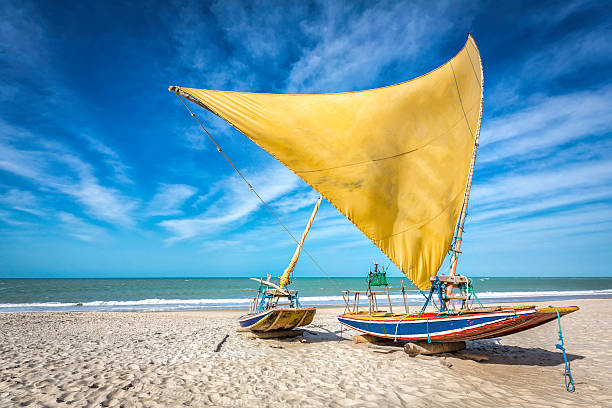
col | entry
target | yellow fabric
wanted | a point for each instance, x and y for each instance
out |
(393, 160)
(284, 278)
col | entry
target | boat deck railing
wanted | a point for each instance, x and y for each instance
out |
(372, 300)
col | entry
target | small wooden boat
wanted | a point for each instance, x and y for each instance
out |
(278, 319)
(264, 312)
(448, 324)
(477, 323)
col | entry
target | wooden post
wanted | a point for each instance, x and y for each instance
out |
(343, 298)
(389, 299)
(404, 296)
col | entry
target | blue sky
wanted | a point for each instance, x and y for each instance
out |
(103, 173)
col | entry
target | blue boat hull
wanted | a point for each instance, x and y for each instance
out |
(456, 327)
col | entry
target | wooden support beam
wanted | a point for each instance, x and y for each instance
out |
(423, 347)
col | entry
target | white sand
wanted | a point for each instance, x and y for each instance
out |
(167, 359)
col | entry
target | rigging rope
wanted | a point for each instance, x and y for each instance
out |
(397, 326)
(566, 373)
(257, 194)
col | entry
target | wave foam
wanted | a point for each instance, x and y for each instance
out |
(208, 303)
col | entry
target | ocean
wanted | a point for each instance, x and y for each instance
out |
(143, 295)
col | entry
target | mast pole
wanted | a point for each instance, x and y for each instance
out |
(456, 246)
(285, 278)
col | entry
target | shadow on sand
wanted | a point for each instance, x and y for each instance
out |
(314, 333)
(515, 355)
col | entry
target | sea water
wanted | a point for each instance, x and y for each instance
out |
(27, 295)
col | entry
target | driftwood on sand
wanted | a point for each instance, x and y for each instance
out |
(218, 348)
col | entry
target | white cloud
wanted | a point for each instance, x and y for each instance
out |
(550, 229)
(577, 50)
(539, 185)
(569, 55)
(111, 158)
(169, 198)
(79, 229)
(7, 218)
(236, 204)
(351, 49)
(530, 205)
(23, 201)
(296, 201)
(548, 123)
(53, 167)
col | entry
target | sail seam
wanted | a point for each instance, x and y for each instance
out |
(395, 156)
(461, 102)
(472, 64)
(363, 162)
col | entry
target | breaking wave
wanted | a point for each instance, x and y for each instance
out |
(148, 305)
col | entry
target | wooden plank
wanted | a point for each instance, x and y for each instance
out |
(386, 349)
(267, 283)
(462, 297)
(423, 347)
(366, 338)
(451, 279)
(278, 316)
(363, 291)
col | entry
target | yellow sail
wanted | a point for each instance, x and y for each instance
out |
(393, 160)
(285, 277)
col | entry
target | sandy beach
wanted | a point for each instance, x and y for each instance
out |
(168, 359)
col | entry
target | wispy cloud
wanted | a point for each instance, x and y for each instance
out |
(352, 47)
(111, 158)
(549, 121)
(296, 201)
(549, 229)
(546, 65)
(23, 201)
(577, 50)
(541, 184)
(80, 229)
(169, 199)
(8, 218)
(52, 166)
(236, 204)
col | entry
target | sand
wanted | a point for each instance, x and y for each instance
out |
(168, 359)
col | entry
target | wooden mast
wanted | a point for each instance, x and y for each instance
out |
(456, 246)
(285, 278)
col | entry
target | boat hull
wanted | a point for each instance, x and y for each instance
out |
(278, 319)
(472, 325)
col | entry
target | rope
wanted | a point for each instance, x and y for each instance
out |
(473, 292)
(258, 196)
(397, 325)
(567, 373)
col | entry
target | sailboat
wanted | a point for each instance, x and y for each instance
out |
(266, 312)
(397, 162)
